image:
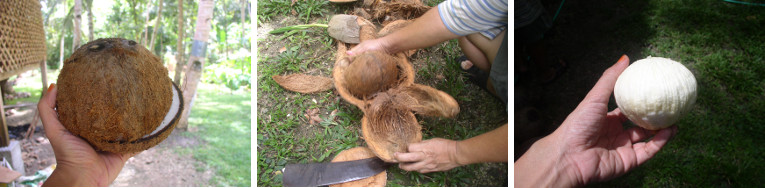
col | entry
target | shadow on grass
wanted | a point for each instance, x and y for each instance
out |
(589, 36)
(720, 142)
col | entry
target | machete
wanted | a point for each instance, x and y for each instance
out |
(323, 174)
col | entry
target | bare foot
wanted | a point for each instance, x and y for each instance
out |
(466, 64)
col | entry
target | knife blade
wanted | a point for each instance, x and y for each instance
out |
(323, 174)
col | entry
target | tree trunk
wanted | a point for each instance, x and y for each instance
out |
(156, 26)
(180, 50)
(196, 61)
(6, 86)
(244, 6)
(90, 21)
(145, 38)
(77, 21)
(61, 56)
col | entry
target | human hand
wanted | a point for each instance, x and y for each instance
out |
(370, 45)
(591, 144)
(432, 155)
(78, 164)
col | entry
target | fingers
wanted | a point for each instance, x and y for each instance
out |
(602, 90)
(618, 115)
(53, 128)
(647, 150)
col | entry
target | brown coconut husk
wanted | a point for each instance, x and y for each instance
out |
(113, 90)
(430, 101)
(388, 126)
(358, 153)
(303, 83)
(395, 10)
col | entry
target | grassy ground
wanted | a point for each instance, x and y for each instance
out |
(220, 118)
(720, 142)
(284, 136)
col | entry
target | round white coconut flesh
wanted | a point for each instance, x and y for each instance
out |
(655, 92)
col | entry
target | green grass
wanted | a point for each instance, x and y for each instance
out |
(720, 142)
(223, 122)
(284, 136)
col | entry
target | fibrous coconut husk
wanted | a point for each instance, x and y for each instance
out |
(389, 124)
(430, 101)
(358, 153)
(388, 128)
(113, 93)
(395, 10)
(303, 83)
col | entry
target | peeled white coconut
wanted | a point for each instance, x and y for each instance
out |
(655, 92)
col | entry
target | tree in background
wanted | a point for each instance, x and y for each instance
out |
(180, 47)
(196, 61)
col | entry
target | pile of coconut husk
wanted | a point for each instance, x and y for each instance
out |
(382, 86)
(386, 11)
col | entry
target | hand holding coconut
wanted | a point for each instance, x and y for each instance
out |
(78, 164)
(591, 145)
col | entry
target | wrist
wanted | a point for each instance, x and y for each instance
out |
(544, 165)
(65, 176)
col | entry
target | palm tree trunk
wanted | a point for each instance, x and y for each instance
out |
(77, 21)
(197, 59)
(156, 26)
(90, 21)
(180, 50)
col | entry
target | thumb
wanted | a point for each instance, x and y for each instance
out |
(48, 116)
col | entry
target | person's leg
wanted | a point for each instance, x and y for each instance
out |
(479, 49)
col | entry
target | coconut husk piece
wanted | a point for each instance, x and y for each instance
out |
(302, 83)
(389, 128)
(429, 101)
(397, 10)
(358, 153)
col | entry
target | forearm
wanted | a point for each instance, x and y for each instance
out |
(542, 166)
(425, 31)
(487, 147)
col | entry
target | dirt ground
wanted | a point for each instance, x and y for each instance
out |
(159, 166)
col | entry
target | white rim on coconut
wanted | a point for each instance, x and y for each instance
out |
(174, 109)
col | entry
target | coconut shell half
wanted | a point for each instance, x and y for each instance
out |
(358, 153)
(388, 126)
(405, 75)
(116, 95)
